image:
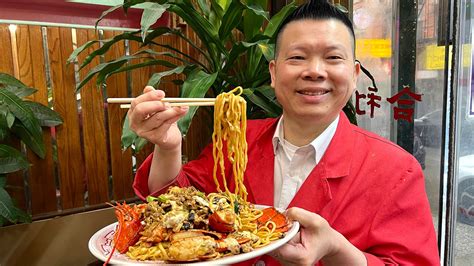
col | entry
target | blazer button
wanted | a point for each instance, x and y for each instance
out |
(260, 263)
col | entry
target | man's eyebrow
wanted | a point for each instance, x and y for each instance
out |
(297, 46)
(328, 48)
(336, 47)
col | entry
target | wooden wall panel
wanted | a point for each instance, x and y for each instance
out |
(15, 184)
(139, 79)
(120, 161)
(70, 158)
(6, 56)
(32, 72)
(93, 127)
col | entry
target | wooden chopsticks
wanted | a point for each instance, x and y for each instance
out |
(125, 102)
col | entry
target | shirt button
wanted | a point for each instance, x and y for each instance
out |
(260, 263)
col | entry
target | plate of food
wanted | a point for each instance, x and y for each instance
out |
(185, 226)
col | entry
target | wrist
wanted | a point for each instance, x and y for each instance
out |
(342, 252)
(165, 150)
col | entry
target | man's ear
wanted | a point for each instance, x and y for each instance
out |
(356, 70)
(271, 68)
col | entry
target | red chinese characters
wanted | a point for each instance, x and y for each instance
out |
(372, 101)
(404, 100)
(406, 103)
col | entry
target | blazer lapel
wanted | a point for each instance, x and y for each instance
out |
(261, 166)
(315, 193)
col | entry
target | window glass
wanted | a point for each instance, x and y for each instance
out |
(464, 227)
(373, 29)
(429, 112)
(374, 22)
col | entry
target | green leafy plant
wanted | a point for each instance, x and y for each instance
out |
(235, 43)
(19, 119)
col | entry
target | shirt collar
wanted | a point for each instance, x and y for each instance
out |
(320, 143)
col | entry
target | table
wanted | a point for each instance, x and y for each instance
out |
(57, 241)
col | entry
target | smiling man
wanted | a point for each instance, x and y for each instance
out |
(359, 198)
(314, 75)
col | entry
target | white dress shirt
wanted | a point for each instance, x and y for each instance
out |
(293, 164)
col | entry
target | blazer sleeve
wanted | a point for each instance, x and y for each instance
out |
(402, 232)
(197, 173)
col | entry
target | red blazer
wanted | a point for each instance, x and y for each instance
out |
(367, 188)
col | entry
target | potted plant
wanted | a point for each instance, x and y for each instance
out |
(235, 43)
(19, 119)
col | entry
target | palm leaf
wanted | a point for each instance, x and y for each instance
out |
(11, 160)
(204, 7)
(129, 3)
(6, 206)
(252, 21)
(230, 20)
(128, 135)
(10, 80)
(206, 32)
(20, 91)
(164, 30)
(196, 85)
(106, 44)
(271, 108)
(150, 16)
(106, 12)
(21, 111)
(4, 129)
(101, 78)
(45, 116)
(33, 141)
(156, 77)
(277, 19)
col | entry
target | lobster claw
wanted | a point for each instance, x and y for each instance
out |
(272, 215)
(128, 228)
(223, 221)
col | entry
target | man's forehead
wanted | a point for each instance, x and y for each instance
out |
(332, 21)
(337, 23)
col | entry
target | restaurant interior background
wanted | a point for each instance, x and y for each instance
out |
(420, 55)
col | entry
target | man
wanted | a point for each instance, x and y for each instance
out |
(360, 199)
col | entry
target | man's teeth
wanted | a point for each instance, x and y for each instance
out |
(313, 93)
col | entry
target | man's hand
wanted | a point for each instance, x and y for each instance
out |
(316, 241)
(154, 120)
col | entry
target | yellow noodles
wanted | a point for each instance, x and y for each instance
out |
(146, 252)
(230, 125)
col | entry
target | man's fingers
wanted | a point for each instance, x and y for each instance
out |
(157, 124)
(148, 89)
(150, 94)
(148, 108)
(289, 254)
(306, 218)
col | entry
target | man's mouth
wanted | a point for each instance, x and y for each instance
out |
(313, 93)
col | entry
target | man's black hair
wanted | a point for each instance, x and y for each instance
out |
(316, 10)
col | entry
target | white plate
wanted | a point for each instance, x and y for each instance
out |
(100, 245)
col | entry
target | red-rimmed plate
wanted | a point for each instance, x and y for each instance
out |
(100, 245)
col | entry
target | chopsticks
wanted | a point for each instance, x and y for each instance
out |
(125, 102)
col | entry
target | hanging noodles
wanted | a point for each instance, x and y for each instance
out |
(230, 125)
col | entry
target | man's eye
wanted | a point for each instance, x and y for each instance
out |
(296, 57)
(335, 57)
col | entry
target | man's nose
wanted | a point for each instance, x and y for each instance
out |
(314, 70)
